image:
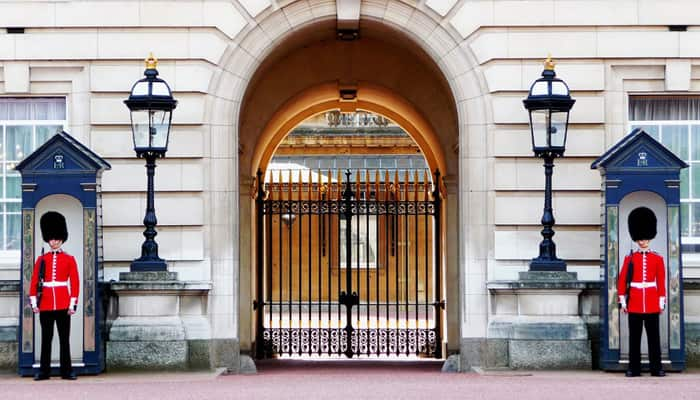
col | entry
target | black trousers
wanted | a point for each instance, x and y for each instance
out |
(62, 320)
(651, 324)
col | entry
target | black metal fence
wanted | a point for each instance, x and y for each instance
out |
(348, 263)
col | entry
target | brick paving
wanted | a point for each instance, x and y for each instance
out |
(305, 380)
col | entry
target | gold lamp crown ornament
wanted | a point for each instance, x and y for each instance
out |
(549, 63)
(151, 61)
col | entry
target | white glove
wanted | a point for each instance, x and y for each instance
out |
(662, 303)
(623, 303)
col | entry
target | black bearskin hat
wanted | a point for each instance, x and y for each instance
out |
(642, 224)
(53, 226)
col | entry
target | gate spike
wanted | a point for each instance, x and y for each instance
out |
(310, 183)
(405, 185)
(376, 184)
(387, 184)
(279, 183)
(339, 186)
(426, 185)
(396, 184)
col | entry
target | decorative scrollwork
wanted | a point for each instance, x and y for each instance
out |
(311, 341)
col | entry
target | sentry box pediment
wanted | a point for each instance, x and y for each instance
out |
(638, 153)
(64, 175)
(62, 154)
(640, 171)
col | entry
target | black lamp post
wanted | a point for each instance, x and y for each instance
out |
(151, 104)
(549, 104)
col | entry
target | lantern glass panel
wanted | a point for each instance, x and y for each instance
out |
(539, 121)
(558, 128)
(140, 128)
(140, 89)
(160, 125)
(160, 89)
(559, 88)
(539, 88)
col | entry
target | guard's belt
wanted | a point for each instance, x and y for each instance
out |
(643, 285)
(55, 283)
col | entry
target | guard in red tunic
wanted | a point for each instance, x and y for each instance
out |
(643, 296)
(59, 294)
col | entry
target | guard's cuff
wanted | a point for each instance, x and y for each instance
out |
(662, 302)
(32, 300)
(622, 301)
(73, 302)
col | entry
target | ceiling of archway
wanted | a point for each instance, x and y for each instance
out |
(382, 56)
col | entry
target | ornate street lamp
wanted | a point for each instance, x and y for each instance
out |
(151, 104)
(549, 104)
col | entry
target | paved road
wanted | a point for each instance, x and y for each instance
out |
(357, 380)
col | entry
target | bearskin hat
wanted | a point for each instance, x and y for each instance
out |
(642, 224)
(53, 226)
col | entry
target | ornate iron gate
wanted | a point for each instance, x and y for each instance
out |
(348, 264)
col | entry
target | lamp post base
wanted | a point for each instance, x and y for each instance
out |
(543, 264)
(139, 265)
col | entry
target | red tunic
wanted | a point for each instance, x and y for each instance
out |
(61, 282)
(648, 282)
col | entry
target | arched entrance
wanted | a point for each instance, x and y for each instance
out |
(391, 74)
(348, 243)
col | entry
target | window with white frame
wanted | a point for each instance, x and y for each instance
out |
(364, 242)
(675, 122)
(25, 124)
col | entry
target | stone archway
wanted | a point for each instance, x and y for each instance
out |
(435, 48)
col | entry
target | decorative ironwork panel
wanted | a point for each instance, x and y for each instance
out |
(420, 342)
(305, 341)
(612, 255)
(27, 270)
(674, 278)
(89, 226)
(369, 342)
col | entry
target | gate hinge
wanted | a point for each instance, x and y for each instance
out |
(441, 304)
(255, 304)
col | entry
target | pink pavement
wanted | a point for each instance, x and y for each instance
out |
(306, 380)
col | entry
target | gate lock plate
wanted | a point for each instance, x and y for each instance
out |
(351, 300)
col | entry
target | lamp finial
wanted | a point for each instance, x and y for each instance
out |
(151, 61)
(549, 63)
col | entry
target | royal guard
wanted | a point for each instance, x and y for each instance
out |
(641, 287)
(53, 294)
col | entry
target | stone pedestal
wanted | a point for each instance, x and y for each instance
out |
(691, 291)
(161, 323)
(9, 324)
(536, 322)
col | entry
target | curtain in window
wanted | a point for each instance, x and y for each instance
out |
(668, 108)
(34, 108)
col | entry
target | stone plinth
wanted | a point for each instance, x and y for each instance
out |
(9, 324)
(536, 322)
(161, 323)
(691, 297)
